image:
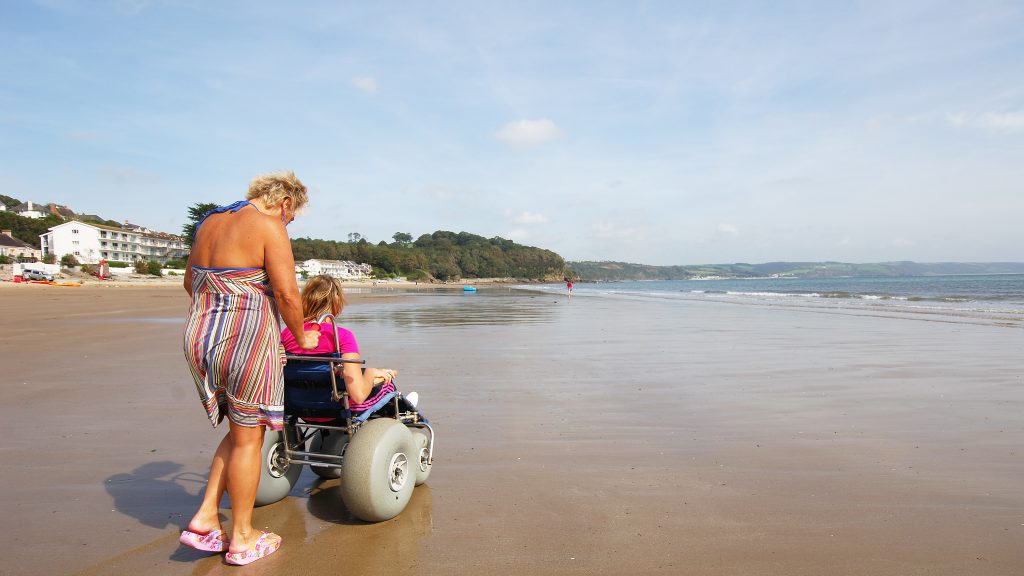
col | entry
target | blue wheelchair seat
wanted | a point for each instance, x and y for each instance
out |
(307, 390)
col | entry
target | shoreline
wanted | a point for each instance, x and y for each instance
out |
(143, 282)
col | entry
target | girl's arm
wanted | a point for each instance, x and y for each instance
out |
(358, 382)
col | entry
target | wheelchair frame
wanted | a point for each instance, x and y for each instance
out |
(302, 432)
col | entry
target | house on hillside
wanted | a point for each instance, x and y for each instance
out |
(60, 210)
(135, 227)
(341, 269)
(89, 243)
(30, 210)
(14, 248)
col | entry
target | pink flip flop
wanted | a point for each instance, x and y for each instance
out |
(205, 542)
(261, 549)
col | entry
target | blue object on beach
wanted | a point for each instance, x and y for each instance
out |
(468, 289)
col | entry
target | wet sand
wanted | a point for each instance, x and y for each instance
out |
(591, 436)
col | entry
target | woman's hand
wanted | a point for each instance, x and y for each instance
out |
(309, 340)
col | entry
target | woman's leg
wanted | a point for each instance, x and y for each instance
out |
(243, 477)
(207, 518)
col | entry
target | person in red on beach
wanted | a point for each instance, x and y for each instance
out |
(568, 285)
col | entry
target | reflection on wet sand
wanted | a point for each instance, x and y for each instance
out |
(346, 544)
(475, 309)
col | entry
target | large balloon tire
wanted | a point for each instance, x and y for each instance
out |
(277, 477)
(424, 465)
(334, 444)
(379, 474)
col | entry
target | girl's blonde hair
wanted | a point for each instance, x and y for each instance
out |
(322, 295)
(273, 188)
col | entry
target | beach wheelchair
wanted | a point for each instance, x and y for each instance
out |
(380, 454)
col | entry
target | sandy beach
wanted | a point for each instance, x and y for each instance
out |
(584, 436)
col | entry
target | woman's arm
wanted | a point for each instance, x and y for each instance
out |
(280, 266)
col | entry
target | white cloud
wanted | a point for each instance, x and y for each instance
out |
(367, 84)
(527, 133)
(131, 6)
(903, 242)
(519, 234)
(728, 229)
(527, 218)
(957, 120)
(1005, 122)
(994, 121)
(610, 231)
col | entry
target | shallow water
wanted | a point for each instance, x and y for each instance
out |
(990, 299)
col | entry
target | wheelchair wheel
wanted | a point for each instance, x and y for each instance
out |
(334, 443)
(380, 470)
(423, 468)
(277, 475)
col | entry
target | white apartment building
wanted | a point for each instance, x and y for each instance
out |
(343, 269)
(90, 243)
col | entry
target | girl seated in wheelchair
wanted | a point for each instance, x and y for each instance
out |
(321, 296)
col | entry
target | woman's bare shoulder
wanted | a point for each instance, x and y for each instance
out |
(263, 222)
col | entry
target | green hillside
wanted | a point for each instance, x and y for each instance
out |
(441, 256)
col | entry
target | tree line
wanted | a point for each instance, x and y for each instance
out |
(442, 255)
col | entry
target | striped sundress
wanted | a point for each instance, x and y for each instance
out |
(233, 346)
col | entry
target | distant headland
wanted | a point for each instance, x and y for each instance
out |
(617, 271)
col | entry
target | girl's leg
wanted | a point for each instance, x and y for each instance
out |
(207, 518)
(243, 477)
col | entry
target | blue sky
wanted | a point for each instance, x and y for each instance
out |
(654, 132)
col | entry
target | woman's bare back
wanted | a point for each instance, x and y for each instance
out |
(232, 240)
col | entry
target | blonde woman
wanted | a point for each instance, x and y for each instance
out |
(241, 275)
(321, 296)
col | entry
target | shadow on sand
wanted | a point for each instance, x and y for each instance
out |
(155, 494)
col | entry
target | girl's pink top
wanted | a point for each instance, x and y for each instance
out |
(326, 344)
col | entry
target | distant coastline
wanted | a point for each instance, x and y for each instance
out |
(608, 271)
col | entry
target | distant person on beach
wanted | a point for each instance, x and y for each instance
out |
(322, 296)
(568, 286)
(241, 275)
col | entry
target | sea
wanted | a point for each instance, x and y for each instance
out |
(990, 298)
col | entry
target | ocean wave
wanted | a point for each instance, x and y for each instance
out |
(1004, 302)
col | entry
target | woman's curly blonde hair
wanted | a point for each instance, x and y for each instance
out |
(274, 187)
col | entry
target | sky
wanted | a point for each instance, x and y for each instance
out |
(651, 132)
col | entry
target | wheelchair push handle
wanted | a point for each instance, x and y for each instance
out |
(310, 358)
(334, 332)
